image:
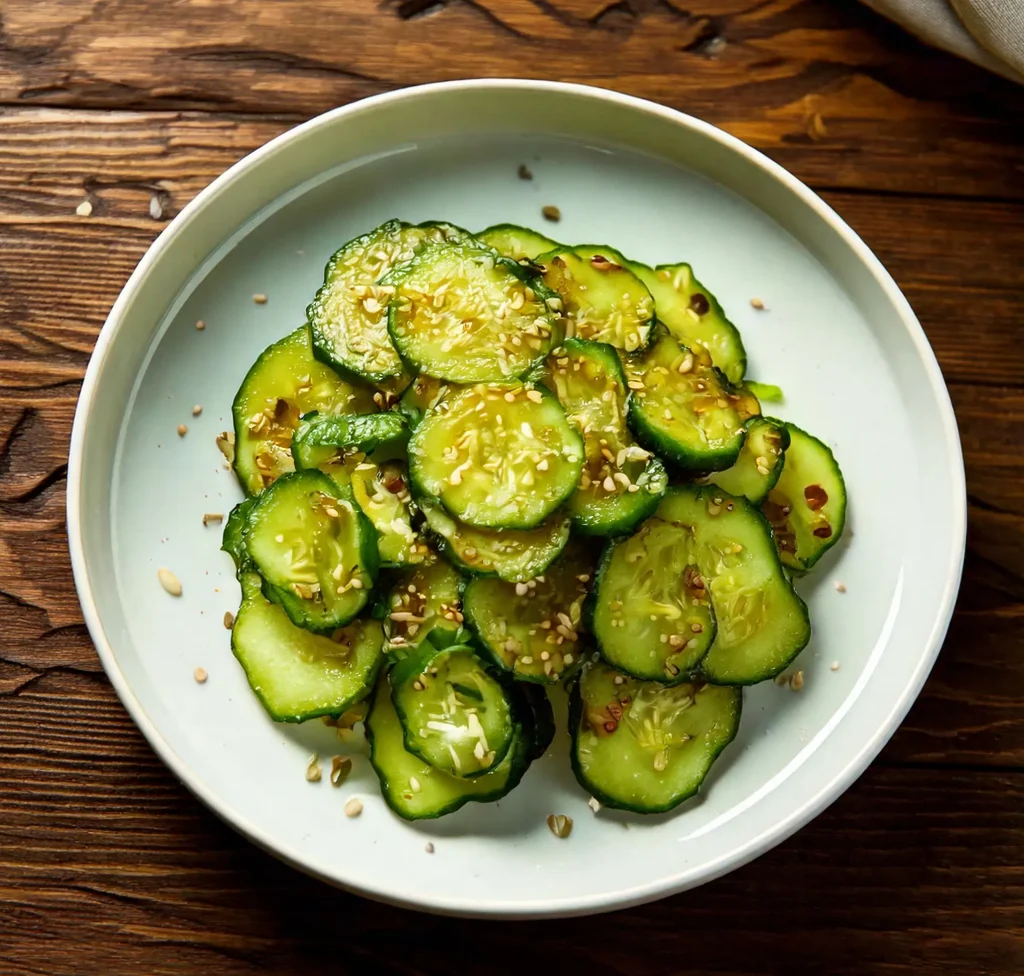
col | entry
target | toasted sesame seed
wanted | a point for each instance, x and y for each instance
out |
(313, 769)
(229, 620)
(835, 665)
(212, 517)
(200, 675)
(429, 847)
(757, 303)
(259, 298)
(551, 213)
(524, 174)
(197, 410)
(182, 430)
(594, 804)
(341, 766)
(840, 586)
(560, 825)
(797, 681)
(200, 325)
(535, 395)
(522, 589)
(169, 581)
(354, 807)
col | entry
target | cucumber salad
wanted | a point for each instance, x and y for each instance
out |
(492, 468)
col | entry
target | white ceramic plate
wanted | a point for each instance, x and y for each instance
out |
(838, 337)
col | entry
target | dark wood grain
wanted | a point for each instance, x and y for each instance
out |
(107, 865)
(829, 89)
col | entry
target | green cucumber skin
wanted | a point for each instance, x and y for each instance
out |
(367, 432)
(368, 553)
(575, 717)
(414, 665)
(520, 763)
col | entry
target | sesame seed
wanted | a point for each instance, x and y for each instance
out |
(840, 586)
(835, 665)
(341, 766)
(797, 681)
(229, 620)
(259, 298)
(535, 395)
(313, 769)
(169, 581)
(551, 213)
(182, 430)
(197, 410)
(84, 209)
(354, 807)
(522, 589)
(200, 325)
(429, 847)
(757, 303)
(594, 804)
(560, 825)
(200, 675)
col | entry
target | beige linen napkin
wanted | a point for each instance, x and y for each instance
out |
(988, 32)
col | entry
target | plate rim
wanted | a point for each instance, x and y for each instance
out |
(830, 789)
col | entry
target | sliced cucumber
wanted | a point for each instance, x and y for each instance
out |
(509, 554)
(413, 788)
(318, 438)
(759, 463)
(651, 615)
(454, 714)
(463, 313)
(518, 243)
(497, 457)
(645, 747)
(355, 452)
(692, 314)
(298, 675)
(602, 299)
(424, 598)
(349, 315)
(422, 394)
(233, 537)
(807, 506)
(762, 623)
(621, 481)
(284, 383)
(314, 548)
(533, 629)
(683, 409)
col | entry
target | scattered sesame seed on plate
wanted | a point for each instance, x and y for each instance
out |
(229, 620)
(594, 804)
(835, 665)
(757, 303)
(200, 675)
(197, 410)
(429, 848)
(182, 430)
(840, 586)
(259, 298)
(200, 325)
(551, 213)
(169, 581)
(354, 807)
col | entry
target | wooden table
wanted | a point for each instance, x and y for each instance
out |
(107, 865)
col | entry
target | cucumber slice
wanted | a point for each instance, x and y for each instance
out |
(349, 314)
(422, 394)
(517, 243)
(314, 548)
(762, 623)
(651, 613)
(233, 537)
(298, 675)
(645, 747)
(621, 481)
(423, 599)
(602, 299)
(463, 313)
(415, 790)
(683, 409)
(532, 629)
(284, 383)
(350, 450)
(498, 457)
(455, 715)
(318, 438)
(759, 463)
(692, 314)
(807, 506)
(509, 554)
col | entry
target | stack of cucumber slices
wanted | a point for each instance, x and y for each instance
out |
(491, 464)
